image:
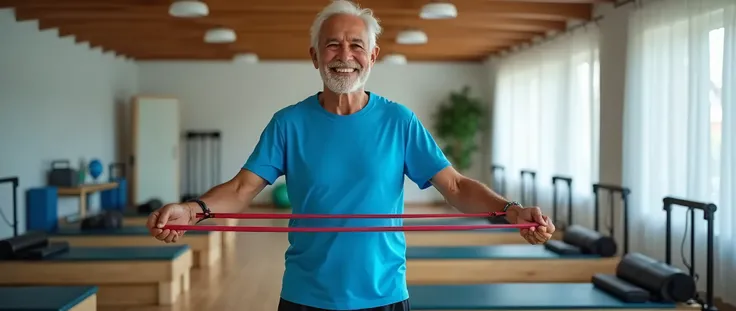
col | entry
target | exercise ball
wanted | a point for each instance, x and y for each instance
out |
(281, 196)
(95, 169)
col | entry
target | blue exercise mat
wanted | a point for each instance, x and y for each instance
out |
(515, 296)
(507, 251)
(124, 231)
(43, 298)
(123, 253)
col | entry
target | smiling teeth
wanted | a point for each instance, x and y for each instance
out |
(344, 69)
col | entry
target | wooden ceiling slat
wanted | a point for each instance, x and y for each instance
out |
(476, 20)
(448, 45)
(279, 29)
(287, 30)
(255, 39)
(382, 8)
(122, 32)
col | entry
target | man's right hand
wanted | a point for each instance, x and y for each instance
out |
(170, 214)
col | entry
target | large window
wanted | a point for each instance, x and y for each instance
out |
(679, 138)
(546, 118)
(715, 57)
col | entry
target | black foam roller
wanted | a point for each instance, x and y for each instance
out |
(562, 248)
(12, 246)
(664, 282)
(589, 241)
(619, 288)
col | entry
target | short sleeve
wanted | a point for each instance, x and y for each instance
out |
(268, 159)
(424, 158)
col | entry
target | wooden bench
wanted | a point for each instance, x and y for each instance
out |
(124, 276)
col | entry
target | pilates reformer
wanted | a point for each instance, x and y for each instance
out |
(487, 237)
(125, 275)
(580, 254)
(639, 283)
(499, 188)
(206, 246)
(587, 254)
(137, 275)
(55, 298)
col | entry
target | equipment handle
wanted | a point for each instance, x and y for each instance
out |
(709, 210)
(596, 209)
(613, 188)
(568, 181)
(502, 188)
(14, 182)
(533, 175)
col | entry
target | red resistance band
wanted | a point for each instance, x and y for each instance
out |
(345, 229)
(341, 216)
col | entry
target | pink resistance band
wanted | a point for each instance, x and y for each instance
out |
(345, 229)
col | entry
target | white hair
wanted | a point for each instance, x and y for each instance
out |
(346, 7)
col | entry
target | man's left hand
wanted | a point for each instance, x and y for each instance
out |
(539, 234)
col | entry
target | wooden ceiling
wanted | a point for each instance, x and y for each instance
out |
(279, 29)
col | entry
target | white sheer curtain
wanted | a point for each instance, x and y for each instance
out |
(545, 118)
(679, 128)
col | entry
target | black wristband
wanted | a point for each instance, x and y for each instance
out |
(205, 210)
(509, 204)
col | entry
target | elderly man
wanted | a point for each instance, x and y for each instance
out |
(345, 150)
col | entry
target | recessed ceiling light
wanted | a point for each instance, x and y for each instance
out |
(438, 10)
(411, 37)
(188, 8)
(397, 59)
(220, 35)
(246, 58)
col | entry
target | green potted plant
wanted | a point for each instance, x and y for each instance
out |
(458, 121)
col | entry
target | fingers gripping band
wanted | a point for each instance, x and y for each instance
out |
(208, 214)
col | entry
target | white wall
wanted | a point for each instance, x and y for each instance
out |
(239, 99)
(58, 100)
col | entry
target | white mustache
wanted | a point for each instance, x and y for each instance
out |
(339, 64)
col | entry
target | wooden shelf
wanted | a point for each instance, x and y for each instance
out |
(86, 188)
(82, 191)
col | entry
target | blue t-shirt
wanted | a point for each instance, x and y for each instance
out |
(350, 164)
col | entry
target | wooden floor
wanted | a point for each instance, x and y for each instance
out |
(248, 278)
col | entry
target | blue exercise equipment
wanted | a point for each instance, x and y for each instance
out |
(117, 198)
(45, 298)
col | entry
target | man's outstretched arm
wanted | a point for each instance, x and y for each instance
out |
(470, 196)
(232, 196)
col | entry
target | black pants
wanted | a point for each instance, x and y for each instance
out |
(285, 305)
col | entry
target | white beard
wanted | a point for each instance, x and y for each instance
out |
(343, 85)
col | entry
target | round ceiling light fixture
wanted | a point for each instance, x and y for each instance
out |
(411, 37)
(188, 8)
(220, 35)
(246, 58)
(396, 59)
(438, 10)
